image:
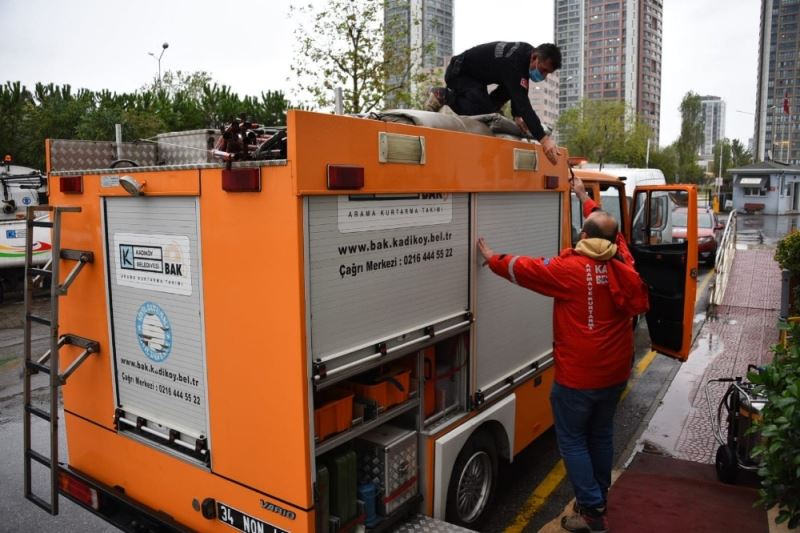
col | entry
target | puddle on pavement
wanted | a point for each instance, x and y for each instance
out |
(665, 428)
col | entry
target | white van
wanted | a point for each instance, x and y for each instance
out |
(633, 177)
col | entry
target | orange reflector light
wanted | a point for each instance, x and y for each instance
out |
(241, 180)
(7, 158)
(345, 177)
(71, 184)
(79, 490)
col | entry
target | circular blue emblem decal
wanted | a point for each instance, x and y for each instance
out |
(26, 200)
(153, 331)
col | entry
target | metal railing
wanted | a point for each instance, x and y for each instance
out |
(724, 262)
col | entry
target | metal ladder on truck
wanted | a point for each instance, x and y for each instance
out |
(49, 362)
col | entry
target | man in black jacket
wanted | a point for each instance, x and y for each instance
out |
(510, 66)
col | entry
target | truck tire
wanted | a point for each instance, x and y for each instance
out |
(725, 462)
(473, 481)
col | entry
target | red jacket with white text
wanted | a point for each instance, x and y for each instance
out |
(596, 292)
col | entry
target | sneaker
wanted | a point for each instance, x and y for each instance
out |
(586, 520)
(437, 97)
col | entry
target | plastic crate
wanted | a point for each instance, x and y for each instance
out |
(334, 414)
(386, 390)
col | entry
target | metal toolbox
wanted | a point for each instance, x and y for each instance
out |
(387, 456)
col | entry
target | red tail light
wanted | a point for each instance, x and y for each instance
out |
(241, 180)
(79, 490)
(345, 177)
(71, 184)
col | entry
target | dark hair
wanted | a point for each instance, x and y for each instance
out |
(549, 51)
(593, 230)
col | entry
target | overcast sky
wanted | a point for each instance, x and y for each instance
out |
(710, 46)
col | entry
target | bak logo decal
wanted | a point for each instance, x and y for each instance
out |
(153, 331)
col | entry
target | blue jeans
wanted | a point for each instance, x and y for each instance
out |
(584, 421)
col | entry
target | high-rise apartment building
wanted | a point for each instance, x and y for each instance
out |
(425, 28)
(611, 51)
(544, 99)
(777, 113)
(713, 110)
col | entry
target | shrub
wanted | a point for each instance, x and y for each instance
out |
(788, 253)
(779, 449)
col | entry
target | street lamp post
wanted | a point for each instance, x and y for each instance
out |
(163, 49)
(718, 181)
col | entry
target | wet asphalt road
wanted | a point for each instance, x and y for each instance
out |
(517, 482)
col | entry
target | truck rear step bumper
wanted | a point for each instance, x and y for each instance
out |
(116, 508)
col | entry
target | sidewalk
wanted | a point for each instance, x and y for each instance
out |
(670, 484)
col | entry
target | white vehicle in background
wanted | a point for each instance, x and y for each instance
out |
(20, 187)
(632, 177)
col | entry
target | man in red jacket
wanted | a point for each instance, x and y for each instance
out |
(597, 292)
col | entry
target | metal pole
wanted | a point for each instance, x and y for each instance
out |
(647, 155)
(118, 131)
(339, 104)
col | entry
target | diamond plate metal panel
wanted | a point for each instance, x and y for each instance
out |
(388, 457)
(186, 147)
(67, 155)
(426, 524)
(143, 153)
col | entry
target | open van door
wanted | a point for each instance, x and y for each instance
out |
(667, 262)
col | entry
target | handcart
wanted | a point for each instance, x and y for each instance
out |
(740, 407)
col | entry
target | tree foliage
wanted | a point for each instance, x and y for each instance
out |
(690, 139)
(666, 160)
(605, 132)
(182, 102)
(734, 155)
(740, 155)
(346, 47)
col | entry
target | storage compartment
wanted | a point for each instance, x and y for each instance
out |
(444, 378)
(333, 412)
(387, 458)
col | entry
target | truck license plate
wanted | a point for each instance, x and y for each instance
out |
(243, 522)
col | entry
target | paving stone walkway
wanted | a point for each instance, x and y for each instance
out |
(741, 334)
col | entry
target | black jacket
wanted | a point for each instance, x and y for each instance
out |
(507, 65)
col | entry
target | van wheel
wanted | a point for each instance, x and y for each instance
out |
(473, 481)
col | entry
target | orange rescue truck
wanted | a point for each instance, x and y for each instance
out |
(309, 343)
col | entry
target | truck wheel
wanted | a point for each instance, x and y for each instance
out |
(473, 481)
(727, 469)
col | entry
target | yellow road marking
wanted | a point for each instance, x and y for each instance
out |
(638, 370)
(540, 494)
(703, 284)
(538, 498)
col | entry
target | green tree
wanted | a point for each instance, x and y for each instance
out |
(15, 103)
(740, 155)
(690, 139)
(725, 146)
(174, 82)
(666, 160)
(604, 132)
(734, 155)
(346, 46)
